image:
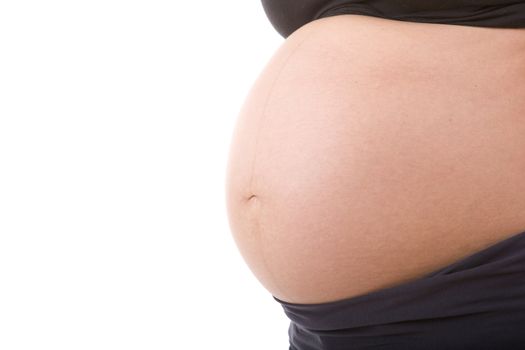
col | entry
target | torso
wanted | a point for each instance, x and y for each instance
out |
(377, 151)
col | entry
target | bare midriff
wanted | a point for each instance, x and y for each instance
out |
(370, 152)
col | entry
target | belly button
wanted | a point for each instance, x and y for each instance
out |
(251, 198)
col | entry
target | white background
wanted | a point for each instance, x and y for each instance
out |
(115, 123)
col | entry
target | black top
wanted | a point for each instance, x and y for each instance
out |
(288, 15)
(476, 303)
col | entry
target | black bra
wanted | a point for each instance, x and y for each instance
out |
(287, 16)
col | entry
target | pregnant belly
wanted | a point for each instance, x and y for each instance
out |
(370, 152)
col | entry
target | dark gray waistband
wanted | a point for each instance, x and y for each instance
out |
(491, 280)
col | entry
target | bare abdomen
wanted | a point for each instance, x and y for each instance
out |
(370, 152)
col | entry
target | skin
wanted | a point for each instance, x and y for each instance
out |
(370, 152)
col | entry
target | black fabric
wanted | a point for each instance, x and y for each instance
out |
(476, 303)
(287, 16)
